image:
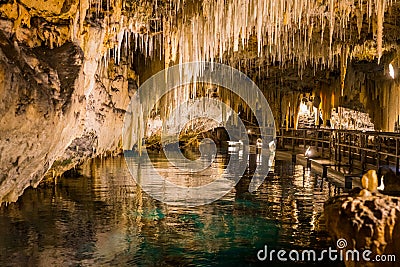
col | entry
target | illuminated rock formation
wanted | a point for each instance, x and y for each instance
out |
(370, 222)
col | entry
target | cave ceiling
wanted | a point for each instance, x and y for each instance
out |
(293, 44)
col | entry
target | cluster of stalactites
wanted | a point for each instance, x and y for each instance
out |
(128, 26)
(180, 98)
(128, 42)
(287, 31)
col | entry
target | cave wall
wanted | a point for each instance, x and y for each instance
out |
(59, 103)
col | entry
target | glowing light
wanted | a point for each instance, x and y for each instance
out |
(303, 108)
(259, 143)
(382, 186)
(308, 152)
(391, 70)
(272, 146)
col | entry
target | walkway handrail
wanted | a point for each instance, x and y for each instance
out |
(368, 147)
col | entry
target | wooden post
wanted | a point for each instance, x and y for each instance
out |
(361, 146)
(348, 182)
(322, 143)
(350, 147)
(293, 137)
(308, 163)
(363, 153)
(340, 149)
(377, 141)
(333, 144)
(397, 157)
(324, 171)
(387, 150)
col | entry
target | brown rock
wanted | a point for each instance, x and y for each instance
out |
(370, 222)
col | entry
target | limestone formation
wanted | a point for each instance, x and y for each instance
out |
(58, 106)
(366, 222)
(369, 181)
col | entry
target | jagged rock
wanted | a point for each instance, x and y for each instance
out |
(369, 221)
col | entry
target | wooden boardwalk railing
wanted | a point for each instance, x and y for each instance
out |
(347, 146)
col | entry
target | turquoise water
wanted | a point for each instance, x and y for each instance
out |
(102, 218)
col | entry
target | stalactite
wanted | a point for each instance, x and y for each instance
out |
(343, 67)
(283, 29)
(331, 25)
(83, 6)
(380, 12)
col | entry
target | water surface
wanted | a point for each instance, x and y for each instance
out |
(102, 218)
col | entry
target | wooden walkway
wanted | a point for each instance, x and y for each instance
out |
(355, 149)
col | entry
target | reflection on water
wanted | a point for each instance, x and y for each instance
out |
(102, 218)
(179, 181)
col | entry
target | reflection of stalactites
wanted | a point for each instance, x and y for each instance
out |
(139, 200)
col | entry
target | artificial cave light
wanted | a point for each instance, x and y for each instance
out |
(303, 107)
(391, 70)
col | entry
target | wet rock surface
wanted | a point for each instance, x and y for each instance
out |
(59, 106)
(34, 109)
